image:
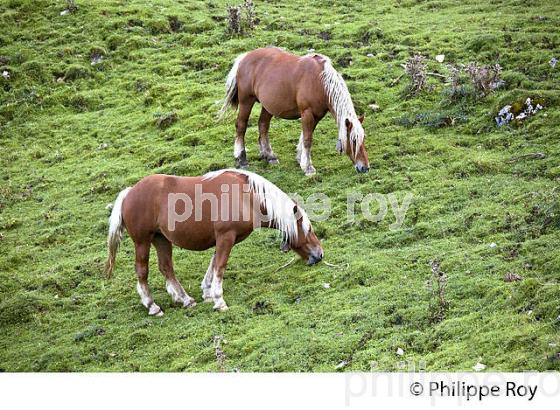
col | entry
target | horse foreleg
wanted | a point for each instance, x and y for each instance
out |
(308, 123)
(299, 148)
(165, 263)
(207, 282)
(239, 152)
(224, 243)
(264, 141)
(141, 266)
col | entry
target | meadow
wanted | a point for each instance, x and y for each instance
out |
(96, 97)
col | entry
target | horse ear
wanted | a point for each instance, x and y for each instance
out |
(361, 118)
(348, 124)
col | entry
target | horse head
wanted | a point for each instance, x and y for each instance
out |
(306, 244)
(354, 146)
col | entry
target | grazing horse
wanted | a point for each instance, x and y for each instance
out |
(292, 87)
(228, 205)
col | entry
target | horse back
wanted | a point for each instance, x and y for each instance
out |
(283, 82)
(156, 200)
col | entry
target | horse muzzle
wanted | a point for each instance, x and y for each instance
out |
(361, 168)
(314, 258)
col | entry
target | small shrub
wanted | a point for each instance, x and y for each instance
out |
(415, 68)
(438, 285)
(484, 79)
(234, 19)
(71, 6)
(250, 14)
(219, 353)
(241, 18)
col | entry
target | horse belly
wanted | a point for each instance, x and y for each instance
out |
(196, 236)
(278, 101)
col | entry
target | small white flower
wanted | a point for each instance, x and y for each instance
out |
(493, 245)
(6, 74)
(479, 366)
(369, 55)
(440, 58)
(64, 12)
(400, 351)
(326, 285)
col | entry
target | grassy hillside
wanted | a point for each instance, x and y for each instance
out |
(486, 199)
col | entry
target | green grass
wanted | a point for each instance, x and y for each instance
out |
(69, 146)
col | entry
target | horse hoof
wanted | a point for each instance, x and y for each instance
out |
(155, 310)
(221, 308)
(189, 304)
(208, 299)
(310, 172)
(244, 165)
(273, 160)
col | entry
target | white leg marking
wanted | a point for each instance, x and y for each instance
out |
(217, 294)
(173, 292)
(299, 148)
(178, 294)
(145, 296)
(305, 162)
(238, 148)
(207, 282)
(147, 300)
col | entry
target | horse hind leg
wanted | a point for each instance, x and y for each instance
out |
(165, 263)
(239, 152)
(141, 266)
(264, 141)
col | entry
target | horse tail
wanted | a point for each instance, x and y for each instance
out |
(116, 230)
(231, 99)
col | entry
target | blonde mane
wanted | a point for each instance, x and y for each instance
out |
(279, 206)
(341, 103)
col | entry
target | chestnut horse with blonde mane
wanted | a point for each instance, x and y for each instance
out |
(291, 87)
(218, 209)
